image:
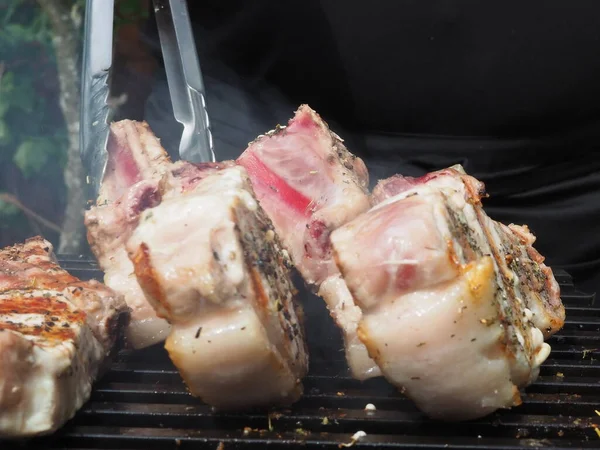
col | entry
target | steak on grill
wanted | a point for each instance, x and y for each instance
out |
(210, 262)
(511, 246)
(139, 174)
(453, 302)
(309, 184)
(201, 266)
(57, 334)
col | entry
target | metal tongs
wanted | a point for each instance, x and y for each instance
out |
(184, 78)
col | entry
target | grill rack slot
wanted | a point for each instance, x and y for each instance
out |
(141, 403)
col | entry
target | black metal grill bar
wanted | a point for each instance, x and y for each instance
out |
(135, 373)
(166, 439)
(141, 403)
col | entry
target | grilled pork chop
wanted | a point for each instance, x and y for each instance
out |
(138, 176)
(453, 302)
(511, 246)
(133, 181)
(56, 335)
(309, 184)
(210, 263)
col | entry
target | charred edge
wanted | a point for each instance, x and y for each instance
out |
(56, 309)
(473, 251)
(475, 195)
(460, 229)
(541, 274)
(267, 262)
(148, 279)
(506, 291)
(117, 327)
(349, 161)
(257, 286)
(533, 279)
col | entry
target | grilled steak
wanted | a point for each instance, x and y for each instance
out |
(56, 335)
(309, 184)
(453, 302)
(210, 263)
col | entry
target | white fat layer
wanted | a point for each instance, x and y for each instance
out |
(228, 339)
(455, 191)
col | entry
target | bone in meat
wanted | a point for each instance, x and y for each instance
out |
(139, 174)
(309, 184)
(442, 317)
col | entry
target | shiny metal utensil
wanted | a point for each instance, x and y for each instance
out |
(97, 60)
(184, 78)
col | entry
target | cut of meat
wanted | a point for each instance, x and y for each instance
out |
(210, 262)
(139, 175)
(134, 154)
(309, 184)
(198, 262)
(452, 301)
(109, 226)
(134, 180)
(57, 334)
(32, 265)
(511, 246)
(46, 369)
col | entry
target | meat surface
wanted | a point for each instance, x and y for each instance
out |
(138, 176)
(454, 304)
(32, 265)
(309, 184)
(511, 246)
(57, 334)
(210, 263)
(134, 180)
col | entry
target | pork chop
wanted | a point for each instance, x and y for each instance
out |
(138, 176)
(309, 184)
(444, 315)
(211, 264)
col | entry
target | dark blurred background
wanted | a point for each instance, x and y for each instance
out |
(508, 89)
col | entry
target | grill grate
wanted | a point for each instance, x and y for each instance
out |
(141, 403)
